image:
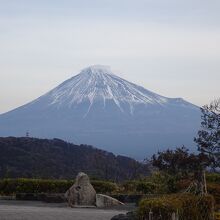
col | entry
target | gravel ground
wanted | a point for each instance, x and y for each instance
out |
(29, 210)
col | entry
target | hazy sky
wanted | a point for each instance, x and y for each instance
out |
(171, 47)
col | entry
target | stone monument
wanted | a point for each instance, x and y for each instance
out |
(82, 194)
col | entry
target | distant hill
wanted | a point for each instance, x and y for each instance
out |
(44, 158)
(99, 108)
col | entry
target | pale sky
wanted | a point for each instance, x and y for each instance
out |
(171, 47)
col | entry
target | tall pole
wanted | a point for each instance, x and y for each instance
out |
(204, 180)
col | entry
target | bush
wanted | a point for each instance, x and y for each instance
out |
(13, 186)
(160, 207)
(214, 189)
(213, 186)
(158, 183)
(186, 205)
(165, 183)
(213, 177)
(129, 186)
(104, 186)
(139, 187)
(145, 187)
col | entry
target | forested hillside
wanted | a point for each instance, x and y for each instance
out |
(43, 158)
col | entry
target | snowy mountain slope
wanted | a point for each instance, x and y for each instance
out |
(97, 107)
(99, 83)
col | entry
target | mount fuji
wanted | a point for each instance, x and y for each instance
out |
(99, 108)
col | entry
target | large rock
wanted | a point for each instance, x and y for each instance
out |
(82, 192)
(103, 201)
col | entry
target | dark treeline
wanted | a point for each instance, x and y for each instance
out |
(43, 158)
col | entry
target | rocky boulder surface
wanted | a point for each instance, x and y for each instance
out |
(103, 201)
(82, 192)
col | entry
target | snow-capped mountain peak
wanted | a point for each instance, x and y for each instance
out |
(97, 70)
(99, 83)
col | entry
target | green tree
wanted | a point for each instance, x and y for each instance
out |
(180, 164)
(208, 139)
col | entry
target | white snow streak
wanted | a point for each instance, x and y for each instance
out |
(98, 83)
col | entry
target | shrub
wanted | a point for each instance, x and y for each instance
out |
(8, 186)
(160, 207)
(186, 205)
(145, 187)
(129, 186)
(13, 186)
(138, 187)
(213, 186)
(213, 177)
(104, 186)
(214, 189)
(165, 183)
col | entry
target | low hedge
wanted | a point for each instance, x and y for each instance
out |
(104, 186)
(187, 206)
(213, 177)
(14, 186)
(139, 187)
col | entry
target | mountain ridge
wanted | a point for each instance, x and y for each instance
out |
(99, 108)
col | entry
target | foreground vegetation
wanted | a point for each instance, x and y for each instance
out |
(158, 184)
(185, 206)
(14, 186)
(162, 194)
